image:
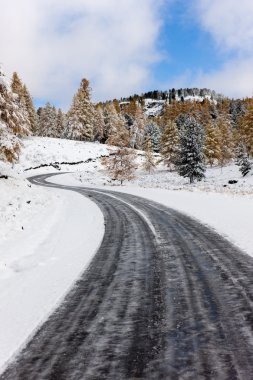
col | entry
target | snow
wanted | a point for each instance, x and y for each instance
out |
(38, 268)
(41, 150)
(47, 239)
(153, 107)
(41, 261)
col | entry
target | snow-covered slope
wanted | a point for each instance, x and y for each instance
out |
(42, 243)
(47, 238)
(153, 107)
(39, 151)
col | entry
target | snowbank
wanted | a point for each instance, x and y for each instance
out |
(41, 261)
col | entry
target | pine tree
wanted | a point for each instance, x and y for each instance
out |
(149, 158)
(80, 123)
(99, 124)
(13, 123)
(138, 129)
(153, 132)
(47, 123)
(190, 161)
(60, 124)
(212, 147)
(170, 144)
(242, 159)
(120, 165)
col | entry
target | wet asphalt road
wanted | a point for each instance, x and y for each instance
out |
(164, 298)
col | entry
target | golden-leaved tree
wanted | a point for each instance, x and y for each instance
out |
(212, 144)
(14, 122)
(24, 99)
(80, 118)
(170, 144)
(247, 128)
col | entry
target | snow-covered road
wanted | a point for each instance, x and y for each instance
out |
(171, 301)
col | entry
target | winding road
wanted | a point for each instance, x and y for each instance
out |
(164, 298)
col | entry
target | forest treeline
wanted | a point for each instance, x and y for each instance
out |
(223, 128)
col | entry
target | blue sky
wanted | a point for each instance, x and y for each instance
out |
(128, 46)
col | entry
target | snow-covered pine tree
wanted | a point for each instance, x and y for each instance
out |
(212, 147)
(99, 124)
(13, 123)
(80, 118)
(153, 132)
(149, 159)
(170, 144)
(190, 161)
(242, 160)
(47, 123)
(60, 124)
(138, 128)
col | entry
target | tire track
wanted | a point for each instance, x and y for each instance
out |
(175, 305)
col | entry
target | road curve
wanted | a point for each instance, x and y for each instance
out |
(164, 298)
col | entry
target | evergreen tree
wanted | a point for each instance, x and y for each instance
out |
(153, 132)
(60, 124)
(138, 129)
(99, 124)
(80, 123)
(149, 158)
(47, 123)
(170, 144)
(190, 161)
(212, 147)
(242, 160)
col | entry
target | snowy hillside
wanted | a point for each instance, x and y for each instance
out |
(154, 100)
(52, 234)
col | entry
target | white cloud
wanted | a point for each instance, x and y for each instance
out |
(53, 44)
(230, 24)
(234, 79)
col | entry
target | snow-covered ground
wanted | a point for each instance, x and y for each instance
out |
(47, 238)
(43, 247)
